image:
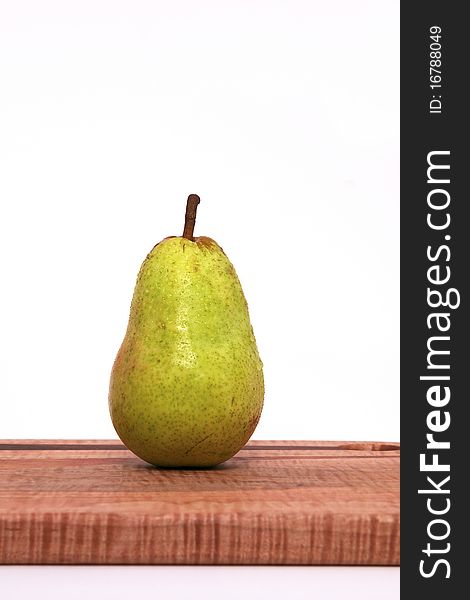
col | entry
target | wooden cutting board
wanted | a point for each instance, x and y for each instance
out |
(274, 503)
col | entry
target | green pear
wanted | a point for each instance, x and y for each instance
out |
(187, 384)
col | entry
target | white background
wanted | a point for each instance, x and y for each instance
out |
(282, 116)
(200, 583)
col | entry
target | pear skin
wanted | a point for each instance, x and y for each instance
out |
(187, 385)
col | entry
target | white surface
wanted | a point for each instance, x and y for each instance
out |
(200, 583)
(282, 116)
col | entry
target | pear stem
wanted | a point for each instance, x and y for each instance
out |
(190, 216)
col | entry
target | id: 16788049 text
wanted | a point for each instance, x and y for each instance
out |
(435, 69)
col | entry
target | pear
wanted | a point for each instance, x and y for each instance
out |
(187, 384)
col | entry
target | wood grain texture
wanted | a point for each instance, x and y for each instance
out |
(274, 503)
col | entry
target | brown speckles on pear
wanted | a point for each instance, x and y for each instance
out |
(207, 243)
